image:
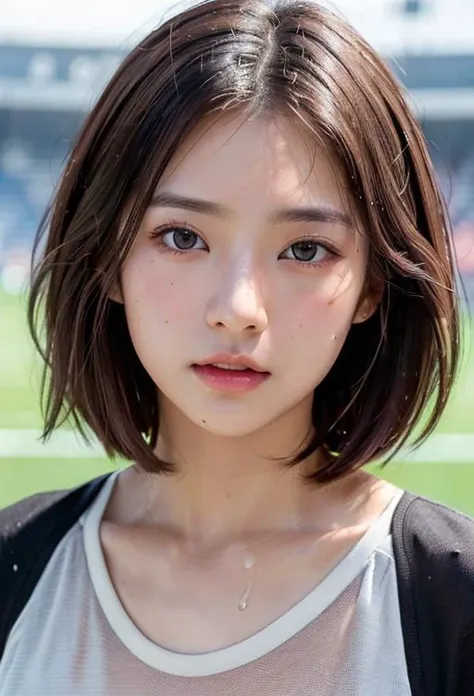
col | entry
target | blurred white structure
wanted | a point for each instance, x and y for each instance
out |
(442, 27)
(56, 55)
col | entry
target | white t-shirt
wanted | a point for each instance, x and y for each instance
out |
(74, 637)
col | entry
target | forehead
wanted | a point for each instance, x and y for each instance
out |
(265, 157)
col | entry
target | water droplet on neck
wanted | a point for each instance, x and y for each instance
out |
(249, 561)
(243, 601)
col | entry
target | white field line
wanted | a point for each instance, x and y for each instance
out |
(18, 443)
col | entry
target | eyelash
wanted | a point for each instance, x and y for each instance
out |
(159, 232)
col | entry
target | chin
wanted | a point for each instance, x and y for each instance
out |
(221, 428)
(230, 425)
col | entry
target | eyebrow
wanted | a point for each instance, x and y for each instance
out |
(319, 213)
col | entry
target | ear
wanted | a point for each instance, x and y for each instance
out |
(369, 302)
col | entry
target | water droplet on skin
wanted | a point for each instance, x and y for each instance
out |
(334, 337)
(244, 598)
(249, 561)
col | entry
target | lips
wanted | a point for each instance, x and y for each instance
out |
(224, 366)
(236, 374)
(228, 361)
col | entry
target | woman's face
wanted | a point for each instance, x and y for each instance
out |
(248, 251)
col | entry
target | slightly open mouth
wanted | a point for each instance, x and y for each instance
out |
(230, 377)
(232, 368)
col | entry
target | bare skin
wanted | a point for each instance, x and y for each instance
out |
(175, 545)
(184, 597)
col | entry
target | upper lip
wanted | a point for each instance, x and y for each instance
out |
(229, 359)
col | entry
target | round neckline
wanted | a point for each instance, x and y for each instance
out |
(264, 641)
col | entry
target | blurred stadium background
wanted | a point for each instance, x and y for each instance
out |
(54, 59)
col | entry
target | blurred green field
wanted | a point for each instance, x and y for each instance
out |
(444, 470)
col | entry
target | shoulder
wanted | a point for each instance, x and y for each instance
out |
(434, 556)
(424, 523)
(39, 514)
(30, 531)
(31, 528)
(18, 514)
(36, 524)
(434, 553)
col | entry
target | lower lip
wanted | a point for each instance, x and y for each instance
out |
(230, 380)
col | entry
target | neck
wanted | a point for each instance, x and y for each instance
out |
(236, 489)
(228, 487)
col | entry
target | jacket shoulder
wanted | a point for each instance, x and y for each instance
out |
(424, 523)
(434, 556)
(30, 531)
(36, 510)
(16, 515)
(437, 538)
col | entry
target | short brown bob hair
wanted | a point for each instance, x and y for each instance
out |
(298, 59)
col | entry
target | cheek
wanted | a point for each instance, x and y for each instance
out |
(319, 328)
(329, 307)
(316, 318)
(157, 293)
(316, 323)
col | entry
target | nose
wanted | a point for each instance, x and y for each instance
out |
(237, 306)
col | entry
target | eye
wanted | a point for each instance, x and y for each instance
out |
(307, 251)
(180, 239)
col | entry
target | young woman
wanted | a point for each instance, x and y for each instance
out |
(247, 290)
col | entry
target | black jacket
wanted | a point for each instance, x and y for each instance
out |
(434, 554)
